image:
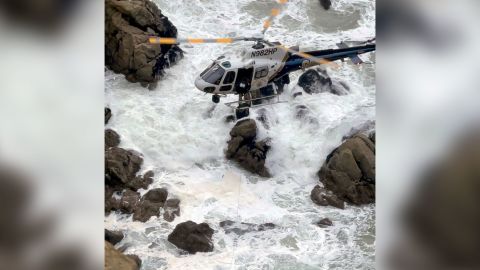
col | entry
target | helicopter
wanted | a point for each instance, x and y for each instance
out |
(260, 71)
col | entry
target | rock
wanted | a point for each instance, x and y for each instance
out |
(241, 228)
(349, 171)
(113, 237)
(128, 25)
(112, 139)
(156, 195)
(121, 166)
(115, 260)
(137, 259)
(129, 201)
(192, 237)
(323, 223)
(146, 209)
(365, 128)
(321, 197)
(315, 81)
(247, 152)
(108, 115)
(141, 181)
(326, 4)
(296, 94)
(111, 203)
(171, 209)
(229, 118)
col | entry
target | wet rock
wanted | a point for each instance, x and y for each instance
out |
(241, 228)
(108, 115)
(322, 197)
(192, 237)
(146, 209)
(121, 166)
(349, 171)
(156, 195)
(115, 260)
(365, 128)
(141, 181)
(245, 150)
(171, 209)
(112, 139)
(297, 94)
(128, 25)
(129, 201)
(326, 4)
(137, 259)
(111, 203)
(315, 81)
(323, 223)
(230, 118)
(113, 237)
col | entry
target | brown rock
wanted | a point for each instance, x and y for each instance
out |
(323, 223)
(115, 260)
(121, 166)
(156, 195)
(112, 139)
(192, 237)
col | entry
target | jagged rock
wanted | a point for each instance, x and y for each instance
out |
(323, 223)
(129, 201)
(321, 197)
(349, 171)
(141, 181)
(315, 81)
(242, 228)
(146, 209)
(171, 209)
(121, 166)
(247, 152)
(326, 4)
(128, 25)
(156, 195)
(108, 115)
(113, 237)
(112, 139)
(192, 237)
(115, 260)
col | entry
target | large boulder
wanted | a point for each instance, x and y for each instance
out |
(245, 150)
(128, 26)
(113, 237)
(349, 171)
(192, 237)
(315, 81)
(115, 260)
(121, 166)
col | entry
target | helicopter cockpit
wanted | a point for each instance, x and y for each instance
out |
(219, 77)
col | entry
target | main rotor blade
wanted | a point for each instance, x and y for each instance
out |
(274, 13)
(171, 41)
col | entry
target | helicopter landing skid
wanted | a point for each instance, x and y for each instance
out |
(249, 102)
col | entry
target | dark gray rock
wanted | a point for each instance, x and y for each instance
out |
(141, 181)
(129, 201)
(108, 115)
(326, 4)
(113, 237)
(315, 81)
(245, 150)
(321, 197)
(112, 139)
(121, 166)
(156, 195)
(146, 209)
(192, 237)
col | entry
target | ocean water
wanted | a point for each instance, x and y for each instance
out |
(182, 136)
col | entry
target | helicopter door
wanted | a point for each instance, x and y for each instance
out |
(244, 80)
(227, 81)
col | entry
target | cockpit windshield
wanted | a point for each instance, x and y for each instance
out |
(213, 74)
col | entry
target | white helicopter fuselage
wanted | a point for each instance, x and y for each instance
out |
(253, 70)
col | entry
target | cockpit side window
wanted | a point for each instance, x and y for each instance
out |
(229, 78)
(261, 72)
(214, 74)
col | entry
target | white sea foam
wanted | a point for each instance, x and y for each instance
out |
(183, 136)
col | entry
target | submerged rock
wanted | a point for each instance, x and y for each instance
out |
(241, 228)
(245, 150)
(349, 171)
(192, 237)
(315, 81)
(115, 260)
(323, 223)
(112, 139)
(113, 237)
(321, 197)
(326, 4)
(171, 209)
(128, 25)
